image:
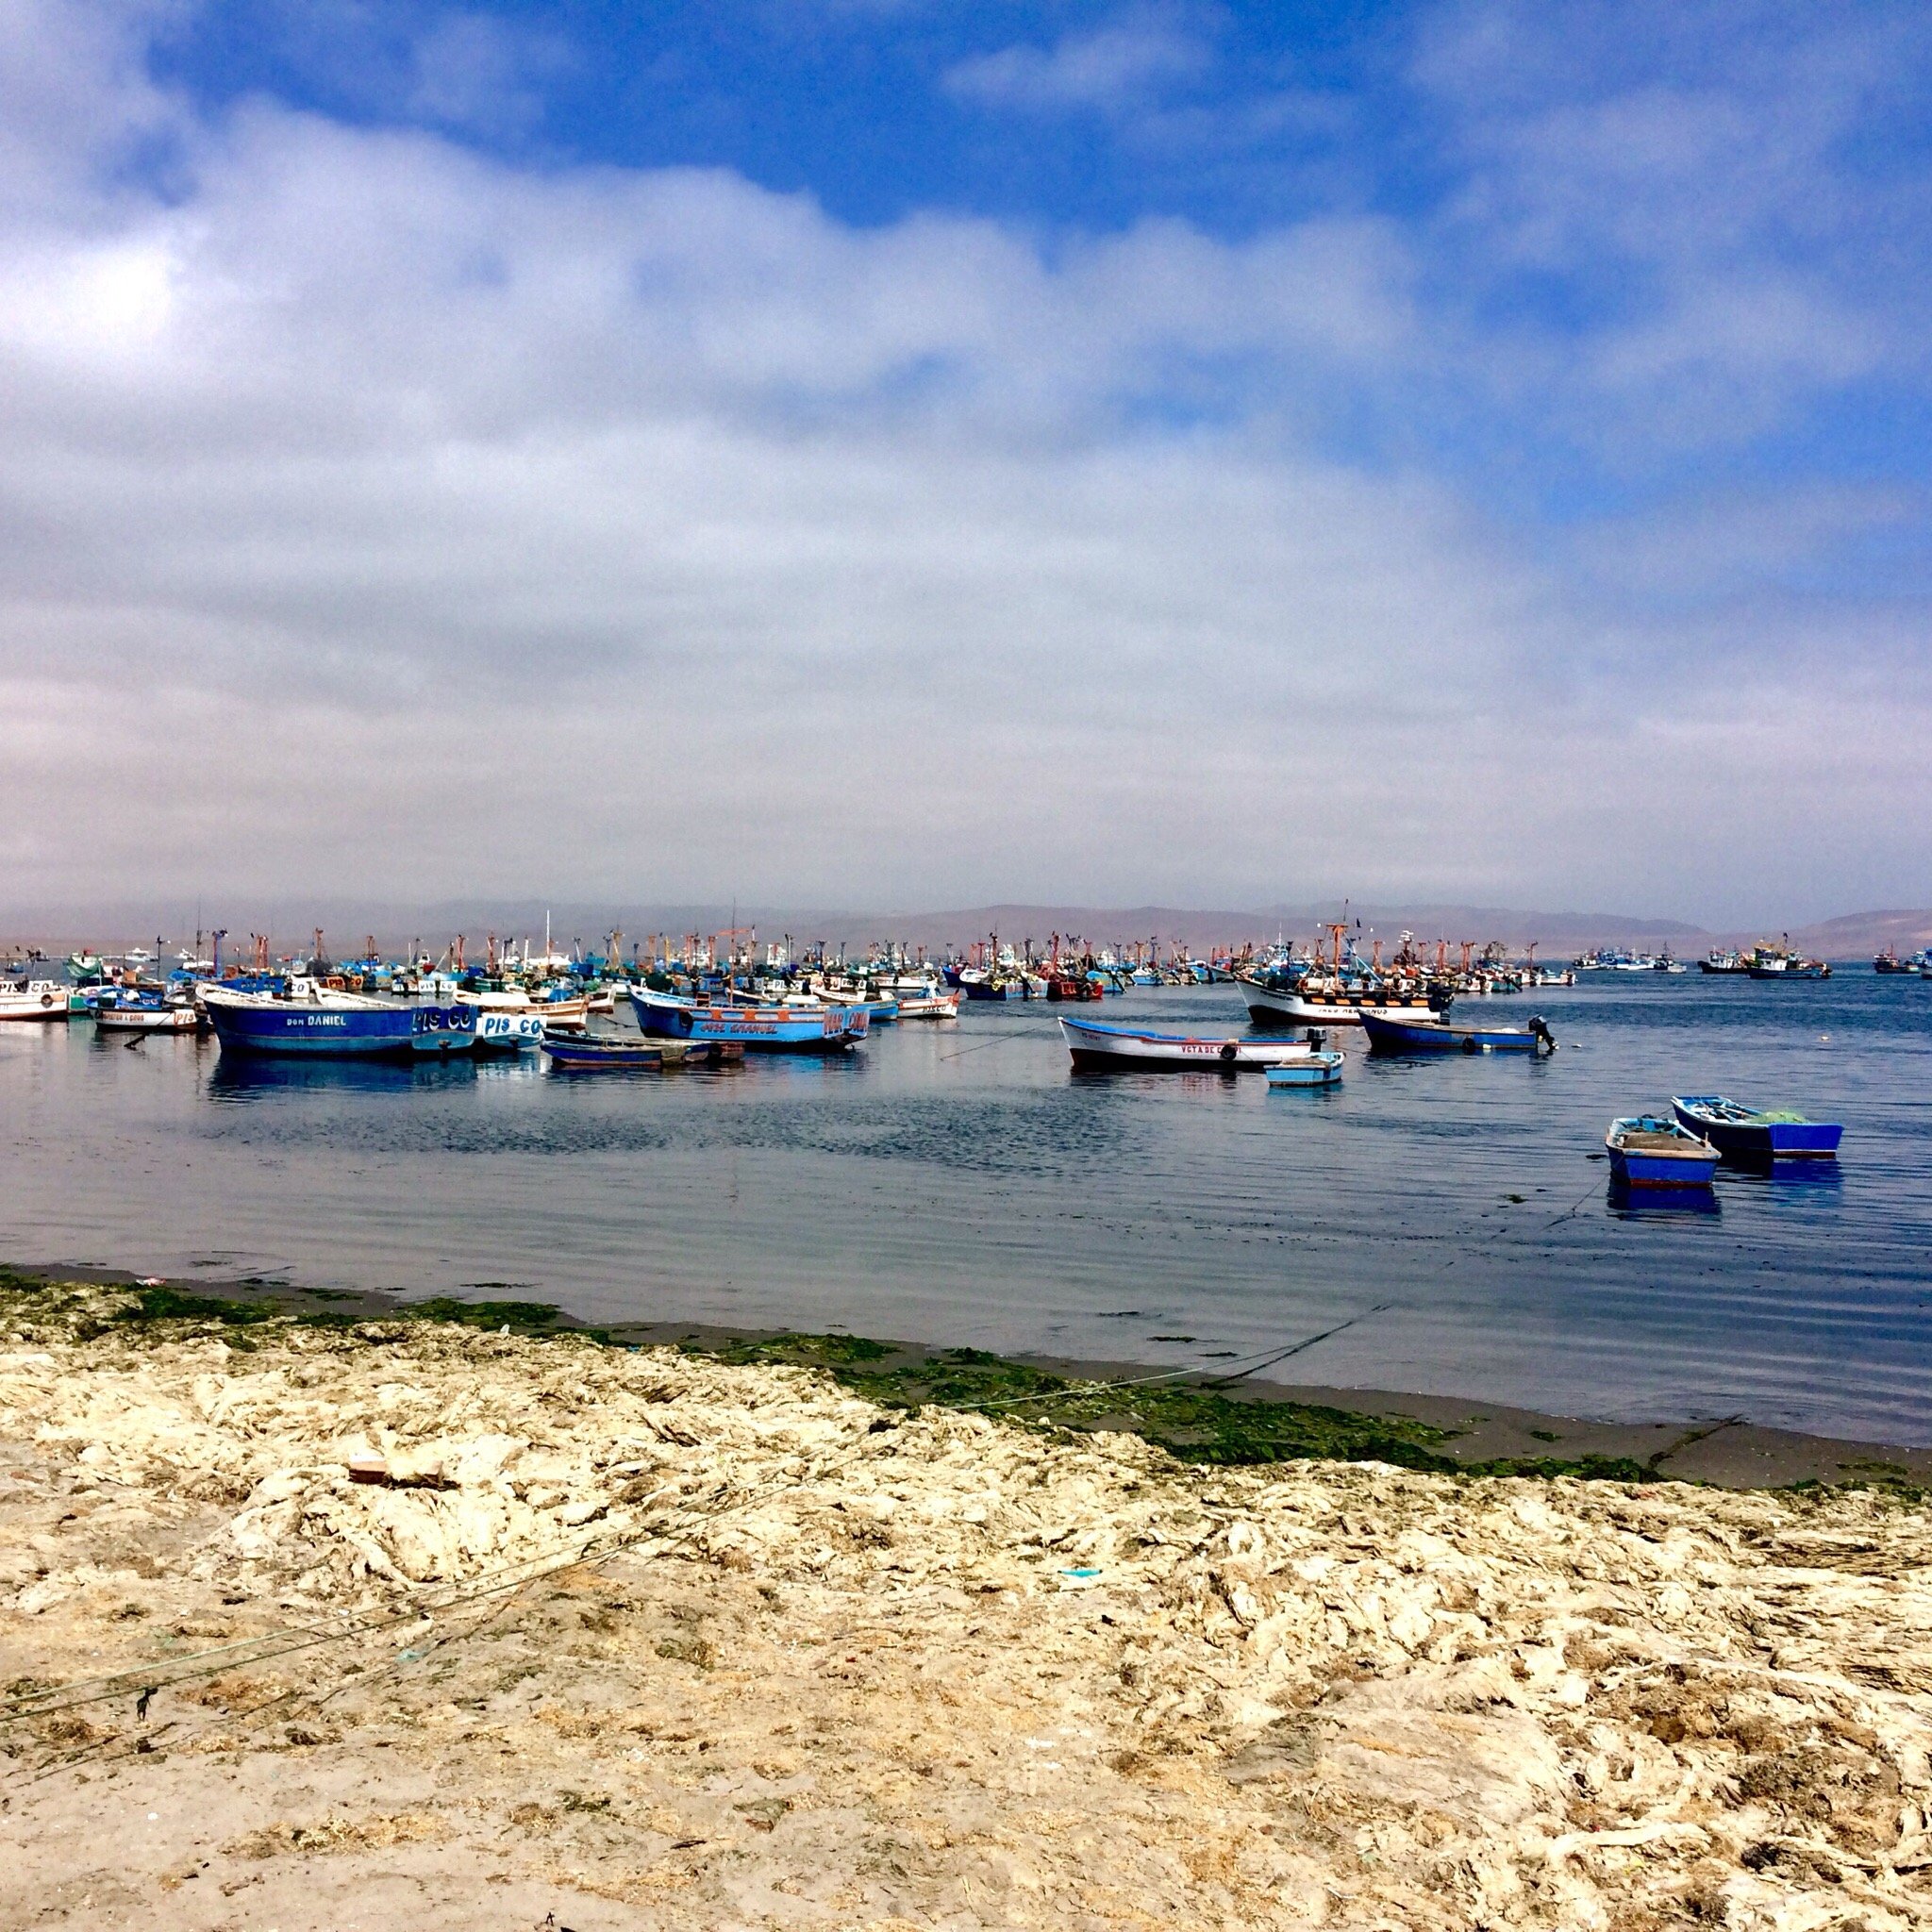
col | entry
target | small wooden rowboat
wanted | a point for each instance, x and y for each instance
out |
(575, 1051)
(1438, 1036)
(1748, 1134)
(1319, 1070)
(1650, 1151)
(1103, 1049)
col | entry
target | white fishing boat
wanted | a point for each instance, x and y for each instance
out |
(1311, 1002)
(33, 999)
(1100, 1049)
(928, 1006)
(515, 1001)
(121, 1010)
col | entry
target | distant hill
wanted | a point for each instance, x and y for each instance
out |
(1554, 933)
(1862, 935)
(344, 921)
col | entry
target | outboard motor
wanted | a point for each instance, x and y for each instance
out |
(1317, 1039)
(1539, 1032)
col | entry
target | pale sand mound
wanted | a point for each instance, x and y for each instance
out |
(828, 1667)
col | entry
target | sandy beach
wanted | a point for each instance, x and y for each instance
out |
(397, 1623)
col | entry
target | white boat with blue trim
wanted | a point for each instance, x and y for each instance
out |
(1105, 1049)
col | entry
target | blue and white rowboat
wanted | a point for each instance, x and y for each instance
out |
(1319, 1069)
(314, 1021)
(1103, 1049)
(760, 1028)
(1652, 1151)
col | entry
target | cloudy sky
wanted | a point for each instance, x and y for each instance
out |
(903, 452)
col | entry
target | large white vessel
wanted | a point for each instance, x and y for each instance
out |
(1313, 1001)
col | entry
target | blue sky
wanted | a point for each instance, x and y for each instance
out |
(1277, 429)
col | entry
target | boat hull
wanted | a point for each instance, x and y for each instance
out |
(1663, 1170)
(1650, 1152)
(1283, 1006)
(293, 1029)
(1411, 1036)
(938, 1007)
(145, 1020)
(758, 1030)
(513, 1031)
(576, 1053)
(1105, 1049)
(1318, 1070)
(40, 1000)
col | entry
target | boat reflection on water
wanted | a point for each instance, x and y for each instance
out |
(1638, 1204)
(258, 1077)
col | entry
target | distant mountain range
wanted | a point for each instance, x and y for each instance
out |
(345, 922)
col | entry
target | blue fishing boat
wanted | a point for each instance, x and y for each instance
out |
(1388, 1035)
(1653, 1150)
(1321, 1069)
(315, 1020)
(1749, 1134)
(782, 1029)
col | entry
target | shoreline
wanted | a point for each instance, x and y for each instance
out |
(1418, 1430)
(320, 1617)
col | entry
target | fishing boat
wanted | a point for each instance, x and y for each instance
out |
(144, 1010)
(316, 1019)
(1329, 1003)
(782, 1027)
(1320, 1069)
(1437, 1036)
(554, 1009)
(1748, 1133)
(1100, 1049)
(977, 984)
(510, 1030)
(929, 1005)
(1767, 961)
(33, 999)
(1653, 1150)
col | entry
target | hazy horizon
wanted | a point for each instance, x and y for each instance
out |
(346, 923)
(890, 455)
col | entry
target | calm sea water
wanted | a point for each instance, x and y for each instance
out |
(956, 1184)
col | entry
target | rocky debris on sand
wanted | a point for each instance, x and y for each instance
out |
(828, 1665)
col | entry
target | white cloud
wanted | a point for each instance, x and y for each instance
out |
(1108, 69)
(380, 512)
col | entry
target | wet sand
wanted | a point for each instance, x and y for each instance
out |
(1730, 1452)
(407, 1624)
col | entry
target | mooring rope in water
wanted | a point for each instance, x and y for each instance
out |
(1261, 1361)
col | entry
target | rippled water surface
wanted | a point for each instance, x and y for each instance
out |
(957, 1184)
